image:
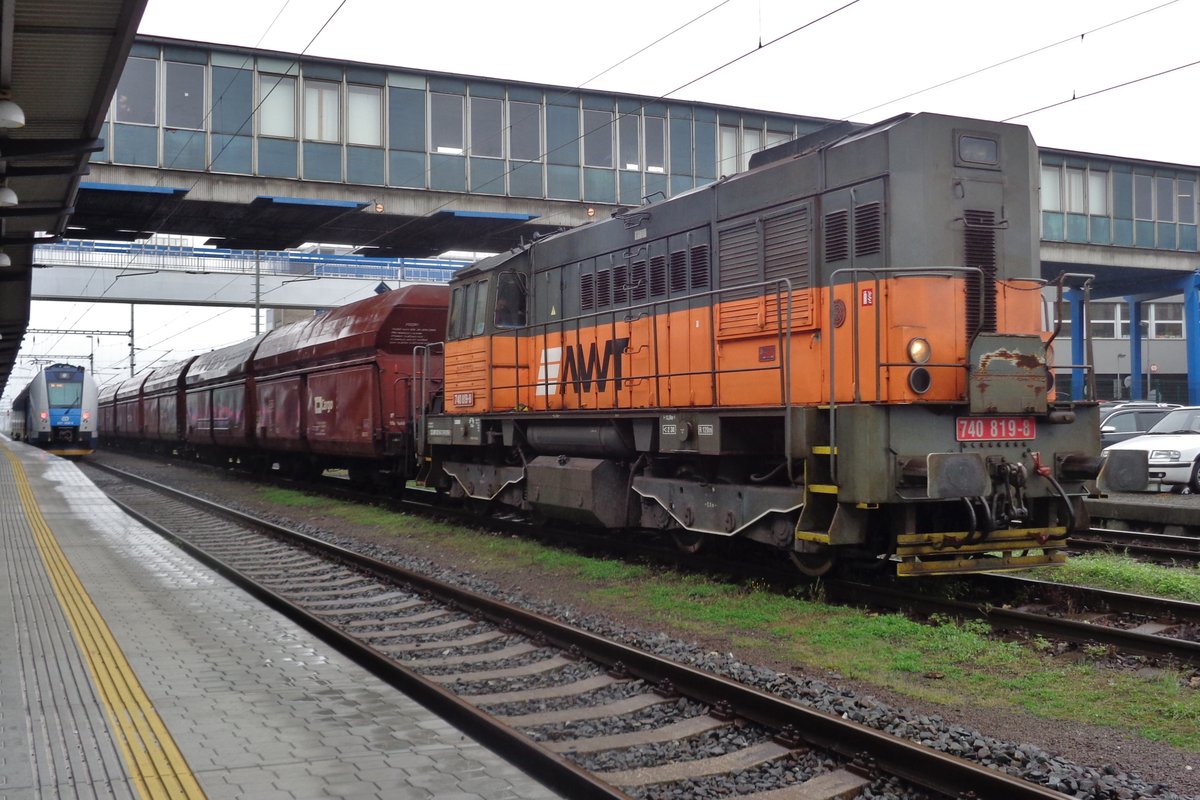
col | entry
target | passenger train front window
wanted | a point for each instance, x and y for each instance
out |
(64, 395)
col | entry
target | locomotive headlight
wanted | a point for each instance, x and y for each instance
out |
(1164, 455)
(919, 350)
(919, 380)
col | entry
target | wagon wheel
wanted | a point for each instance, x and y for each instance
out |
(814, 565)
(690, 542)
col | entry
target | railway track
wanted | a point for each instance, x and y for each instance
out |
(589, 716)
(1126, 623)
(1159, 547)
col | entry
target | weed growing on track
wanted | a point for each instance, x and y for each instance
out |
(1122, 573)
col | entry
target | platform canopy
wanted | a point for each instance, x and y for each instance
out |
(59, 64)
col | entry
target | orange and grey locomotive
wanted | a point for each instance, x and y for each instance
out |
(842, 353)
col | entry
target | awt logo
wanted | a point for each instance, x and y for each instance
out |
(576, 368)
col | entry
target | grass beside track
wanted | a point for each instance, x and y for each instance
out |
(948, 661)
(1121, 573)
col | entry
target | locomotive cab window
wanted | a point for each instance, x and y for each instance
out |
(468, 310)
(510, 300)
(978, 151)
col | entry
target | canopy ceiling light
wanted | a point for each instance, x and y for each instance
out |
(5, 261)
(11, 114)
(8, 198)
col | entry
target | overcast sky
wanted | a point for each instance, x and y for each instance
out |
(865, 60)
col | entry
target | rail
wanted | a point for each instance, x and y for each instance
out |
(122, 255)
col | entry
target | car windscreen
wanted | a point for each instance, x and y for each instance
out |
(1183, 420)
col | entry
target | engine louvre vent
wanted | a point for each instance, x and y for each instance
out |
(979, 250)
(637, 283)
(620, 285)
(587, 292)
(679, 271)
(699, 266)
(658, 276)
(868, 229)
(837, 235)
(603, 288)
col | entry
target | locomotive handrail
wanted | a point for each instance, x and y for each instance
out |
(875, 272)
(418, 407)
(649, 309)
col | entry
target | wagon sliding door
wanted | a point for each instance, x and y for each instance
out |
(343, 411)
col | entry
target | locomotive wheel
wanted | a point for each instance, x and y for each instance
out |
(690, 542)
(814, 565)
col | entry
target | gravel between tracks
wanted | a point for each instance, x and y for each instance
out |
(1119, 765)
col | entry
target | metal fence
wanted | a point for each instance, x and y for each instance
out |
(138, 256)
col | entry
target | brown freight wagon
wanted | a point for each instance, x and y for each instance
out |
(335, 391)
(164, 415)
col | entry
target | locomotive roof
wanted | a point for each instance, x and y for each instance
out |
(225, 363)
(391, 323)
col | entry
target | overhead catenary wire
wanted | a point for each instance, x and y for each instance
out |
(760, 45)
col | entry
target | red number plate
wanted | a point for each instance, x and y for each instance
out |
(992, 429)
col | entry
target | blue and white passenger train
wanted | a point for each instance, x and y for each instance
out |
(57, 411)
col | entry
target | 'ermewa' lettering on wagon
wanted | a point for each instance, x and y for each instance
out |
(575, 369)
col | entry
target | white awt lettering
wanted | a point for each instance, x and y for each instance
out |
(548, 369)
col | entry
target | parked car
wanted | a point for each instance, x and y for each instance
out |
(1173, 449)
(1127, 420)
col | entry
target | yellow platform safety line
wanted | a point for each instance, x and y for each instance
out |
(155, 762)
(822, 488)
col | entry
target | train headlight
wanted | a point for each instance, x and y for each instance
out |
(919, 350)
(45, 415)
(87, 415)
(1164, 455)
(919, 380)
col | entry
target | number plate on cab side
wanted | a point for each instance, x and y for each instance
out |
(995, 429)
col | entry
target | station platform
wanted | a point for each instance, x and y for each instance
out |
(131, 670)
